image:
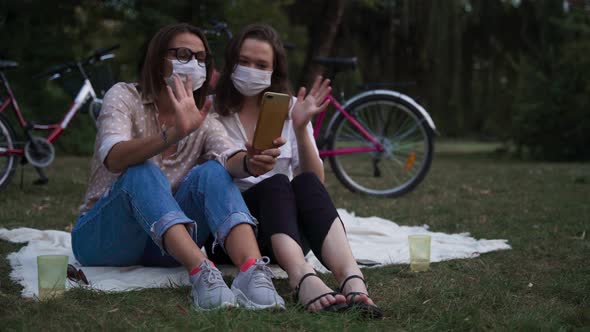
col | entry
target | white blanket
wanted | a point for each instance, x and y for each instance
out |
(373, 239)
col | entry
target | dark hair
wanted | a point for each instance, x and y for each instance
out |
(151, 78)
(229, 100)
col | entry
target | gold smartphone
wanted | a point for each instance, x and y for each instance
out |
(274, 110)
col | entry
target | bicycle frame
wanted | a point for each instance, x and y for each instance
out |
(85, 92)
(318, 125)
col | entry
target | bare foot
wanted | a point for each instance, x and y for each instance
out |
(313, 287)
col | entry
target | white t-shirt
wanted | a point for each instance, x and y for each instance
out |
(287, 163)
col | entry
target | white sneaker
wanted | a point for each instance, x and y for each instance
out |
(254, 289)
(209, 290)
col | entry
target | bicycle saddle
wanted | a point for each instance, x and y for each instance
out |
(337, 63)
(6, 64)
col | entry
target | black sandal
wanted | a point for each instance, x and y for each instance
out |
(336, 307)
(368, 310)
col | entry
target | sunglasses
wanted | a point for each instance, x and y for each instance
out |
(76, 275)
(185, 55)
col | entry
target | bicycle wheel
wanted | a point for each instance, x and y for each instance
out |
(402, 131)
(7, 161)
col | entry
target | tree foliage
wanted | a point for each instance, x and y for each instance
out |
(480, 67)
(552, 99)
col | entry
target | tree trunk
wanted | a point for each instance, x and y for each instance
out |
(322, 34)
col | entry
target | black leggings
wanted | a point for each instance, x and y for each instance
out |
(302, 209)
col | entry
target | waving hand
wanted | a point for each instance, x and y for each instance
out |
(188, 117)
(308, 106)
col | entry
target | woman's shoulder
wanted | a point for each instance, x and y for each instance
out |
(122, 90)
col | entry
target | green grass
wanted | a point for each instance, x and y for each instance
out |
(542, 283)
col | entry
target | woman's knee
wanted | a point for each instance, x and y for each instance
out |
(144, 171)
(306, 177)
(276, 188)
(210, 170)
(277, 181)
(144, 177)
(306, 180)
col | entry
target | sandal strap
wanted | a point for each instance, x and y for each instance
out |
(319, 297)
(354, 294)
(354, 276)
(301, 281)
(315, 299)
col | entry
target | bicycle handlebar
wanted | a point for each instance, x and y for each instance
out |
(96, 56)
(57, 70)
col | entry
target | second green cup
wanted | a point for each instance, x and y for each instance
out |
(419, 252)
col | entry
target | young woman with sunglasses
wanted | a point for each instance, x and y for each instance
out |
(161, 179)
(290, 202)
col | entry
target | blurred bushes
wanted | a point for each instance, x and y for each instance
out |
(493, 69)
(551, 113)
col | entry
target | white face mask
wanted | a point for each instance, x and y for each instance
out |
(250, 81)
(197, 73)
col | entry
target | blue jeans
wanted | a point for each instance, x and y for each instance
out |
(126, 226)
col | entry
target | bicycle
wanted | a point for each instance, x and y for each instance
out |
(38, 150)
(380, 142)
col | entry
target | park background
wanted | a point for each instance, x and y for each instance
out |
(511, 71)
(507, 83)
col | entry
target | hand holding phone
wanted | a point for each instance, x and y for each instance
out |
(274, 110)
(260, 162)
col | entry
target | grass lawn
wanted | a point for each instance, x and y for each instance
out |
(542, 283)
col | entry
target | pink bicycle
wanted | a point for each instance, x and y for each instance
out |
(379, 142)
(38, 150)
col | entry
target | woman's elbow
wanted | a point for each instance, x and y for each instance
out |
(112, 165)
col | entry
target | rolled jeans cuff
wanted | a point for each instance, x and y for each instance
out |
(229, 223)
(168, 220)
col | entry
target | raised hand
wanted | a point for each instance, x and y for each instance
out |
(188, 117)
(308, 106)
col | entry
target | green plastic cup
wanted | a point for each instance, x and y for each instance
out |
(51, 272)
(419, 252)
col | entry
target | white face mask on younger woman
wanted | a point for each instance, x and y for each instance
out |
(190, 69)
(250, 81)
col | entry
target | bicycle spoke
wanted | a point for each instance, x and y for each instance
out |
(354, 135)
